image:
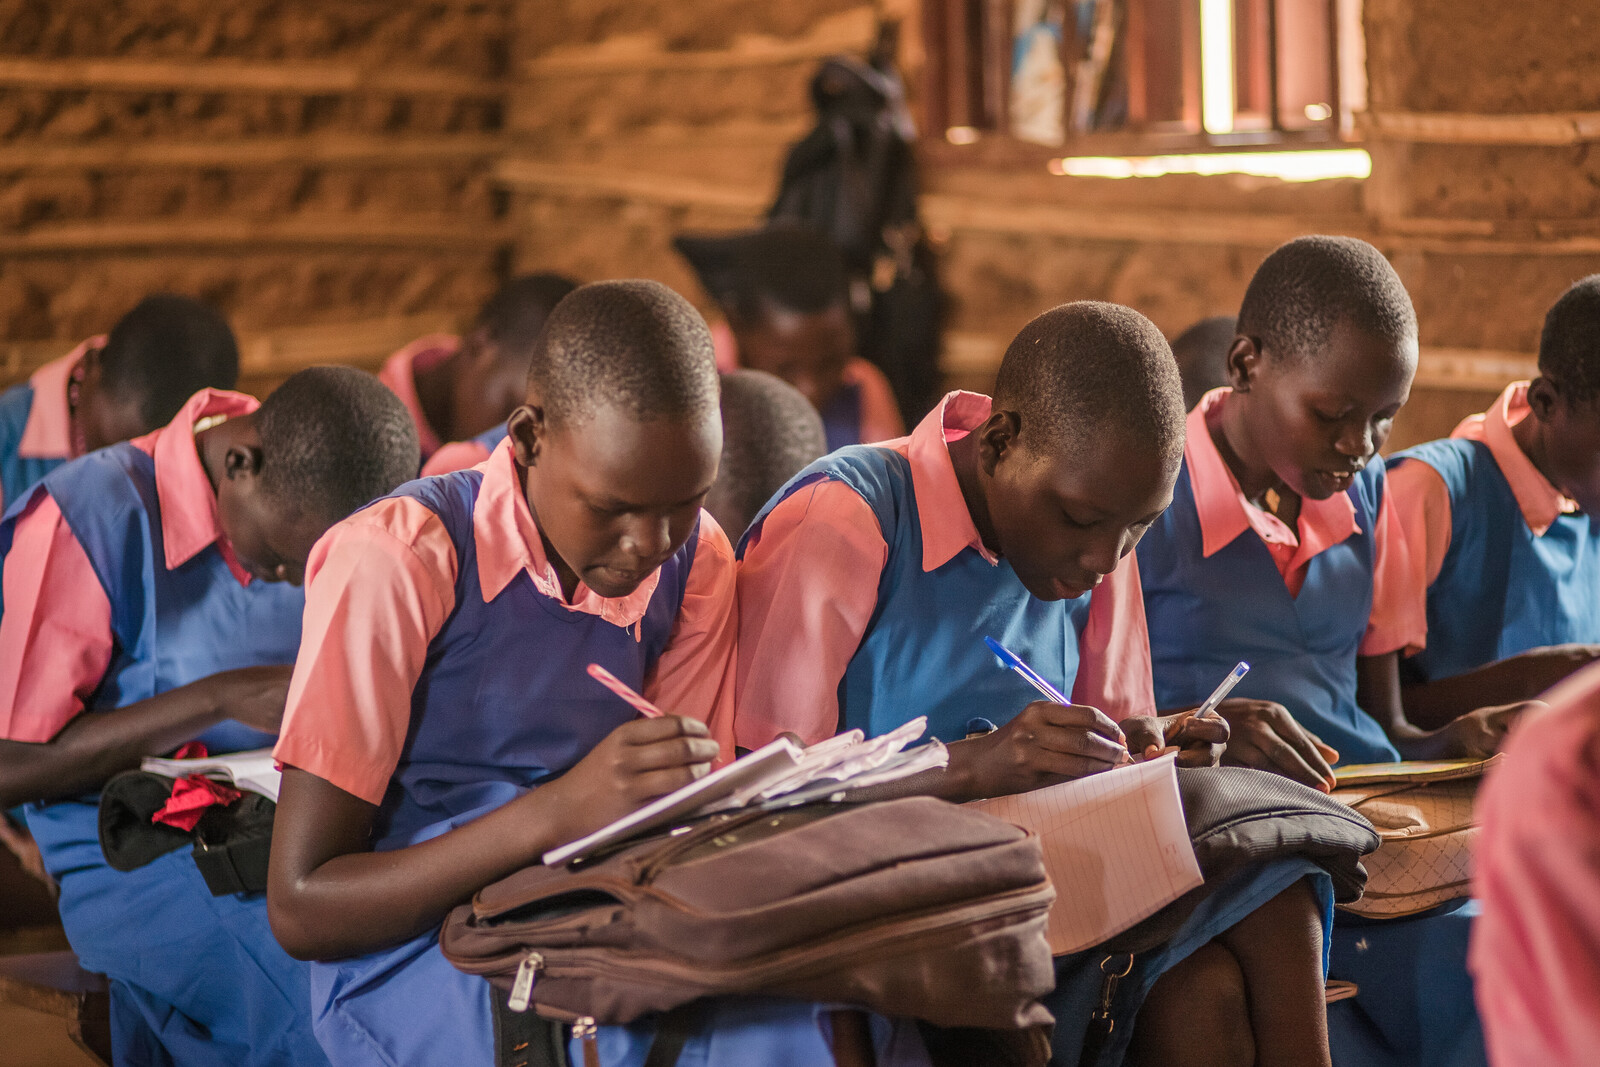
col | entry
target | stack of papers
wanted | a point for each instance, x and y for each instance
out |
(780, 775)
(254, 770)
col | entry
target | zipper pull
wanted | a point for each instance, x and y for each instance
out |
(583, 1028)
(522, 987)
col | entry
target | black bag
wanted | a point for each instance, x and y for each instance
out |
(230, 844)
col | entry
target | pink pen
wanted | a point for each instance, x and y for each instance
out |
(619, 687)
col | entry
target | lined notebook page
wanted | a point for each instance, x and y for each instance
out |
(1115, 845)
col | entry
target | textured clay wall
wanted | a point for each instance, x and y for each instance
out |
(635, 120)
(322, 171)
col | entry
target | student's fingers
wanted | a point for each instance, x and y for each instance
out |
(1143, 732)
(649, 731)
(1076, 741)
(671, 752)
(1327, 751)
(1075, 715)
(1186, 730)
(642, 788)
(1305, 745)
(1046, 767)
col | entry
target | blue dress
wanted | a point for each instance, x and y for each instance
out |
(1502, 589)
(195, 979)
(1207, 613)
(18, 474)
(923, 654)
(503, 705)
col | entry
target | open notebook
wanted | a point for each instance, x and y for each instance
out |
(253, 770)
(1116, 847)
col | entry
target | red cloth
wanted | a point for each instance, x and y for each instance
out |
(193, 794)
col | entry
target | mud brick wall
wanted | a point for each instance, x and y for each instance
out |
(633, 120)
(321, 171)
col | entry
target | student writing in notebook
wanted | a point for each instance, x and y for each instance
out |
(151, 600)
(1278, 548)
(442, 728)
(868, 583)
(1505, 548)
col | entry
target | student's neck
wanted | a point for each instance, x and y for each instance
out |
(565, 575)
(436, 392)
(1529, 435)
(965, 458)
(1232, 439)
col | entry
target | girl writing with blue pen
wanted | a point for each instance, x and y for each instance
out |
(867, 585)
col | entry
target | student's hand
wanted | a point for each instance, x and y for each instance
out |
(254, 696)
(1478, 734)
(1265, 736)
(1544, 667)
(1045, 744)
(1199, 741)
(638, 761)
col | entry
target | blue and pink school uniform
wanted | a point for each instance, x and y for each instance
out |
(1502, 559)
(121, 586)
(443, 675)
(865, 593)
(1225, 581)
(36, 423)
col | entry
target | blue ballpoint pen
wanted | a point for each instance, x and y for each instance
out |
(1210, 706)
(1014, 662)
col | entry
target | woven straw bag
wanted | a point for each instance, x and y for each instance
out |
(1424, 817)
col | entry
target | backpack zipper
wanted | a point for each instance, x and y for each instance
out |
(522, 987)
(583, 1028)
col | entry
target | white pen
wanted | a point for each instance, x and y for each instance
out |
(1210, 706)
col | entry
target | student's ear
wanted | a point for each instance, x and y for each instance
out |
(527, 427)
(1543, 398)
(996, 438)
(1244, 363)
(242, 461)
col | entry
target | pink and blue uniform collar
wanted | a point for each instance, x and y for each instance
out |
(1540, 502)
(947, 525)
(48, 431)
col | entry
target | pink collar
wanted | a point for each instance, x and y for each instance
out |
(48, 432)
(1225, 513)
(1540, 502)
(508, 541)
(188, 504)
(399, 373)
(947, 525)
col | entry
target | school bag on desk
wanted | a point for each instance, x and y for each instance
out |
(911, 907)
(1423, 812)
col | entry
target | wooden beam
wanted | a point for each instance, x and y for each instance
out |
(1421, 127)
(316, 150)
(587, 180)
(296, 77)
(850, 31)
(242, 234)
(947, 212)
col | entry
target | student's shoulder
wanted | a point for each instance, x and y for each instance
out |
(1457, 460)
(845, 486)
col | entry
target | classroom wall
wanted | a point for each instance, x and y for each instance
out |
(632, 120)
(342, 176)
(321, 170)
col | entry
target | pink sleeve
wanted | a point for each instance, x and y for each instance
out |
(808, 584)
(55, 635)
(1399, 619)
(1114, 672)
(455, 456)
(695, 674)
(880, 414)
(1535, 953)
(379, 587)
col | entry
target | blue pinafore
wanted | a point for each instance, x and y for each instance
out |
(18, 474)
(923, 654)
(195, 979)
(1502, 588)
(504, 705)
(1207, 614)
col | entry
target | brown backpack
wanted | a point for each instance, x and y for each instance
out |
(911, 907)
